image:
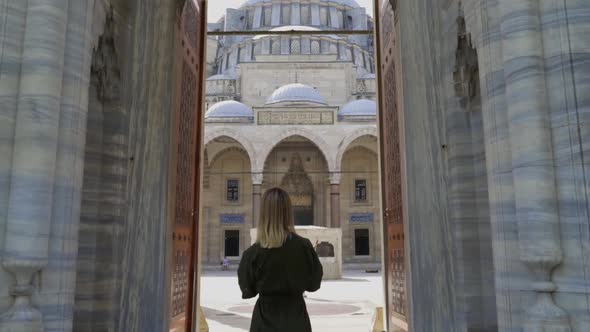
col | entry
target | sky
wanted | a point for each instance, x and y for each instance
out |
(217, 7)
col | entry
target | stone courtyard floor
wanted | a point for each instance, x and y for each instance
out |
(345, 305)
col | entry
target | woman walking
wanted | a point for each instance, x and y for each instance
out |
(279, 267)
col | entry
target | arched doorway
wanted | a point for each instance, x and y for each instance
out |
(359, 191)
(300, 188)
(297, 165)
(227, 200)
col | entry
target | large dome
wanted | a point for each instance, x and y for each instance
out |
(229, 109)
(296, 93)
(349, 3)
(296, 28)
(361, 107)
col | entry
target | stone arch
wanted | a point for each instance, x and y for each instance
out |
(246, 144)
(315, 139)
(219, 154)
(367, 131)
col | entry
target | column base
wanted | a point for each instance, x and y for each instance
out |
(21, 317)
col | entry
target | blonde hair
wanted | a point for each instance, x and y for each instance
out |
(276, 219)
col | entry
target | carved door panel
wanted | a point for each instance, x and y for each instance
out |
(187, 172)
(391, 168)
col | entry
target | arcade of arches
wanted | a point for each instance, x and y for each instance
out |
(482, 209)
(297, 165)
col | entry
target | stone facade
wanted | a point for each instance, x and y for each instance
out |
(300, 91)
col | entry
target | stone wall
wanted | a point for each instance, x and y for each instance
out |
(146, 240)
(530, 64)
(86, 118)
(431, 286)
(335, 81)
(124, 249)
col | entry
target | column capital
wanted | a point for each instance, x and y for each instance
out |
(257, 178)
(335, 177)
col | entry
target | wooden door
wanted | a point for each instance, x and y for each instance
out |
(187, 176)
(391, 134)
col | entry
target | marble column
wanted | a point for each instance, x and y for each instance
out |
(256, 198)
(59, 279)
(13, 21)
(532, 159)
(44, 199)
(26, 245)
(335, 200)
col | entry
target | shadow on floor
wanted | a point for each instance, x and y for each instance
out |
(227, 318)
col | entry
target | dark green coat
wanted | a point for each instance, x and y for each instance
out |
(280, 276)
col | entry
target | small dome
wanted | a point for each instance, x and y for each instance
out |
(229, 109)
(361, 107)
(296, 93)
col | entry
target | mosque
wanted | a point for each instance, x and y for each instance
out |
(297, 112)
(483, 132)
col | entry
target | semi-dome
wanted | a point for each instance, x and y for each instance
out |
(229, 109)
(349, 3)
(296, 92)
(361, 108)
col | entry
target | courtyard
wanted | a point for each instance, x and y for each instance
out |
(345, 305)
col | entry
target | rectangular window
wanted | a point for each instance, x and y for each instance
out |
(324, 16)
(250, 19)
(232, 243)
(267, 16)
(233, 190)
(360, 190)
(286, 17)
(361, 242)
(305, 15)
(341, 19)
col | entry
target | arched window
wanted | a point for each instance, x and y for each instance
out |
(275, 46)
(243, 52)
(333, 48)
(315, 47)
(295, 46)
(257, 49)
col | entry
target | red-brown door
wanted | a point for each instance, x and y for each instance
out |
(187, 175)
(391, 166)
